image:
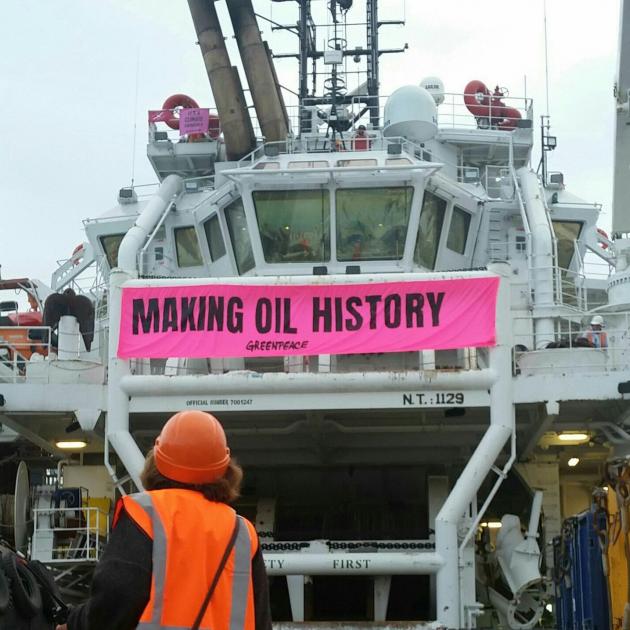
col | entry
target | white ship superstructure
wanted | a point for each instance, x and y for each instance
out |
(368, 474)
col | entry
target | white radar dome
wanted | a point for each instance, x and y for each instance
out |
(435, 87)
(410, 112)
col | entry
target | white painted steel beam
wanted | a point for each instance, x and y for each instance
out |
(386, 563)
(302, 280)
(244, 383)
(117, 423)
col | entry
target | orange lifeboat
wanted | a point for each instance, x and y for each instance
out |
(488, 108)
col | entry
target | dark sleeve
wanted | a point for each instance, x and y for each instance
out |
(262, 608)
(121, 585)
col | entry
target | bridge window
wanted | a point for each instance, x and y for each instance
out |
(567, 232)
(372, 222)
(187, 247)
(430, 230)
(239, 235)
(215, 239)
(458, 231)
(111, 244)
(294, 225)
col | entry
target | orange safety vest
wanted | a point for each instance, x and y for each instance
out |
(598, 338)
(190, 535)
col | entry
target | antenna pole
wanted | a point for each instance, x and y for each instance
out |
(135, 121)
(546, 58)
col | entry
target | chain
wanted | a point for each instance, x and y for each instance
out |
(334, 546)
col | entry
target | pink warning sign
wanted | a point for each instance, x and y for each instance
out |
(193, 120)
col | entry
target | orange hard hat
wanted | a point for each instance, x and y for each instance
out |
(192, 448)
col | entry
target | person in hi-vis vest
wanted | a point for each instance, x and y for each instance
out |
(595, 335)
(179, 556)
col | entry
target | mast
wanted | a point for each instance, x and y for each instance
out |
(621, 188)
(335, 93)
(372, 61)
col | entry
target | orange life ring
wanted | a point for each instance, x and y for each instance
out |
(175, 101)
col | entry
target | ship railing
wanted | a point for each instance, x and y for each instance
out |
(317, 144)
(26, 352)
(498, 182)
(570, 346)
(69, 535)
(569, 283)
(453, 113)
(460, 360)
(18, 346)
(595, 267)
(160, 131)
(89, 279)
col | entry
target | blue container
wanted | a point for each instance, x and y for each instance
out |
(581, 588)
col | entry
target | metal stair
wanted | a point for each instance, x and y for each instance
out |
(497, 238)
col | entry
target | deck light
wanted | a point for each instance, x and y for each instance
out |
(574, 461)
(573, 437)
(492, 524)
(71, 444)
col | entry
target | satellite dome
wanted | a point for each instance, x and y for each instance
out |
(410, 112)
(435, 87)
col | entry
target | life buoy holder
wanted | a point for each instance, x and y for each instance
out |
(603, 244)
(488, 108)
(175, 101)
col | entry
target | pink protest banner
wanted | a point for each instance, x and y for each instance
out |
(241, 320)
(193, 120)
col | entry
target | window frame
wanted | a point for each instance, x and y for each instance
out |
(340, 189)
(323, 191)
(214, 216)
(469, 215)
(101, 238)
(179, 228)
(580, 225)
(441, 234)
(225, 210)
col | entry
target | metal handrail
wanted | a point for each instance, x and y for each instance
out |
(91, 529)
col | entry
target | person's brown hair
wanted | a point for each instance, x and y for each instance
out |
(224, 490)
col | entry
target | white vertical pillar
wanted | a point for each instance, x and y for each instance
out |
(295, 583)
(382, 585)
(69, 338)
(437, 490)
(449, 602)
(117, 420)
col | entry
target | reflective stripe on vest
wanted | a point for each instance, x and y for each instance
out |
(240, 582)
